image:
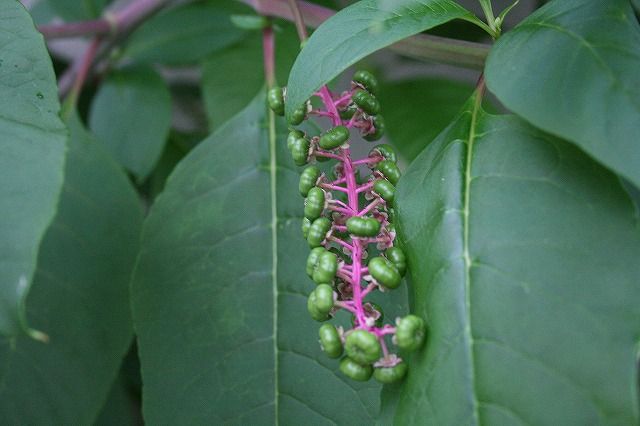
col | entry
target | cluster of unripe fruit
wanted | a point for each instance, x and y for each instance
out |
(342, 235)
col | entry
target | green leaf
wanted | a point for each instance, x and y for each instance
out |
(186, 34)
(523, 253)
(121, 408)
(32, 147)
(77, 10)
(416, 111)
(232, 77)
(80, 297)
(357, 31)
(219, 292)
(573, 69)
(131, 116)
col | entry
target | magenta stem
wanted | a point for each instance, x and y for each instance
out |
(340, 210)
(268, 48)
(339, 203)
(370, 207)
(327, 154)
(343, 99)
(339, 181)
(345, 305)
(352, 196)
(333, 187)
(366, 187)
(341, 242)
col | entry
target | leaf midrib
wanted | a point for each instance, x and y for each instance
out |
(274, 252)
(466, 255)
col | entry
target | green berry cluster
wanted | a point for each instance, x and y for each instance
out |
(348, 224)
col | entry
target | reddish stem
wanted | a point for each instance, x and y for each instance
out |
(268, 47)
(333, 187)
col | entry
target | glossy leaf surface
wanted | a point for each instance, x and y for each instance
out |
(586, 87)
(186, 33)
(131, 116)
(32, 149)
(417, 110)
(523, 254)
(80, 297)
(219, 293)
(357, 31)
(224, 96)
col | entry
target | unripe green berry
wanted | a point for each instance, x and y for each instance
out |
(300, 151)
(308, 179)
(397, 257)
(355, 371)
(390, 170)
(306, 224)
(322, 298)
(330, 341)
(379, 129)
(293, 135)
(384, 272)
(312, 259)
(363, 347)
(363, 226)
(386, 151)
(386, 190)
(410, 332)
(275, 100)
(318, 231)
(388, 375)
(366, 80)
(315, 313)
(325, 268)
(366, 102)
(334, 137)
(348, 112)
(314, 203)
(298, 115)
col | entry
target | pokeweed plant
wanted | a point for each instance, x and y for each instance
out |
(512, 236)
(339, 232)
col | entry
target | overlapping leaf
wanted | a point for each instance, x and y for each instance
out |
(417, 110)
(358, 31)
(572, 68)
(224, 96)
(523, 253)
(186, 33)
(131, 116)
(32, 145)
(219, 293)
(80, 297)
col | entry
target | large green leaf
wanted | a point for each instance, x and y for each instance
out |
(131, 115)
(80, 297)
(232, 77)
(32, 145)
(417, 110)
(219, 292)
(359, 30)
(186, 34)
(573, 69)
(524, 258)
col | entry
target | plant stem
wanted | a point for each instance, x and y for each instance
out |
(424, 47)
(111, 23)
(119, 23)
(297, 18)
(268, 47)
(83, 69)
(488, 13)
